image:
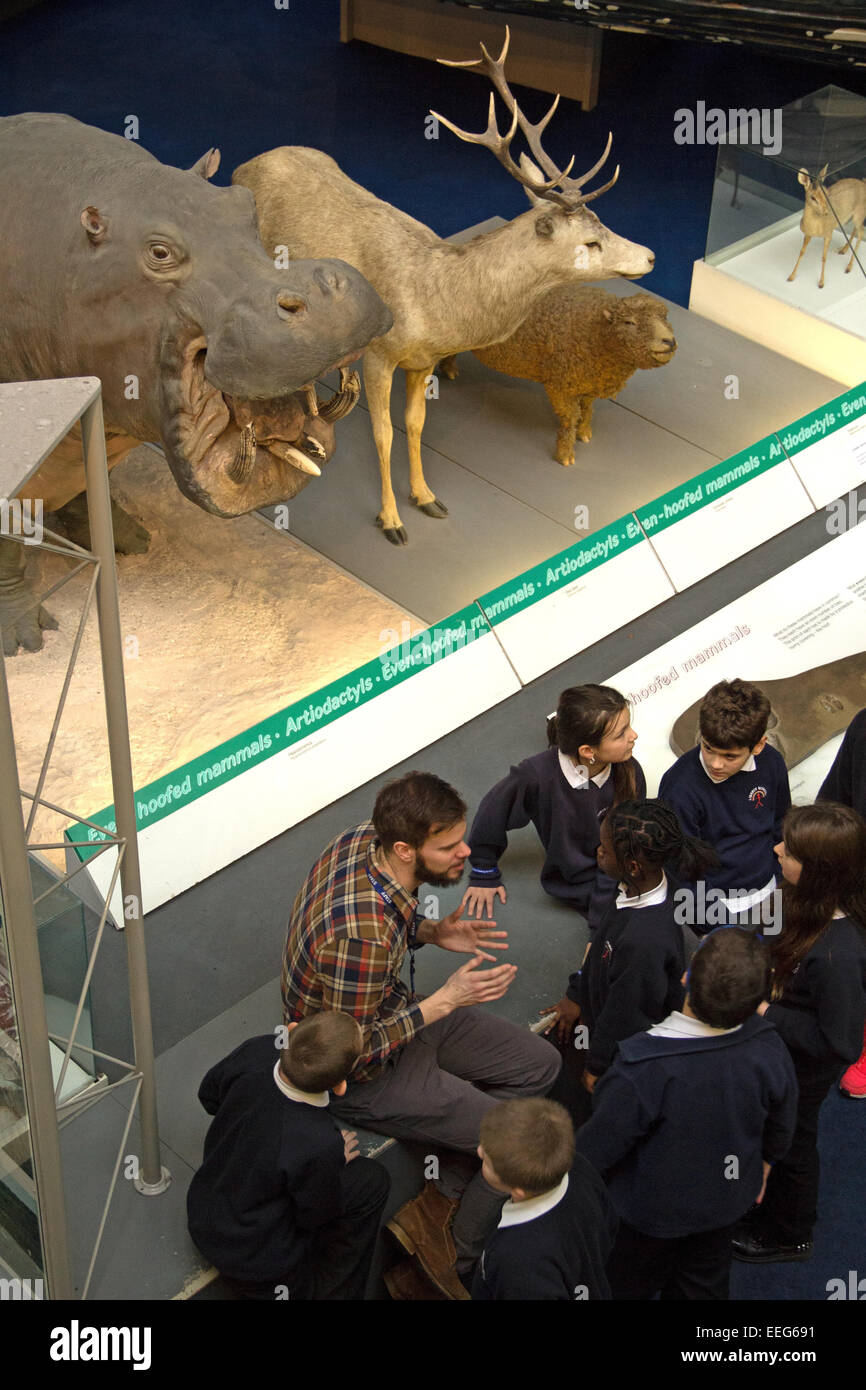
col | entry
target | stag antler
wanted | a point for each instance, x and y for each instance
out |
(559, 188)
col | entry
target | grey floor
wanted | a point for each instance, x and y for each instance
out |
(214, 953)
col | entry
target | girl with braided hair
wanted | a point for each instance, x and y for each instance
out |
(565, 792)
(632, 972)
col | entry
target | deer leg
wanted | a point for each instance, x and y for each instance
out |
(416, 411)
(377, 384)
(566, 408)
(827, 241)
(858, 228)
(806, 240)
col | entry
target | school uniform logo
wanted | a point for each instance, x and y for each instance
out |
(758, 796)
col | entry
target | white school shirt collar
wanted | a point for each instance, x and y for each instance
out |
(318, 1098)
(575, 776)
(515, 1213)
(748, 766)
(647, 899)
(678, 1025)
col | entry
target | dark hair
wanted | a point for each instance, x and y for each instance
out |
(728, 977)
(734, 714)
(650, 832)
(529, 1142)
(829, 840)
(414, 807)
(584, 714)
(321, 1051)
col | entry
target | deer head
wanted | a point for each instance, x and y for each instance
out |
(561, 199)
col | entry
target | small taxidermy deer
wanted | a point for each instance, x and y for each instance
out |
(829, 206)
(444, 298)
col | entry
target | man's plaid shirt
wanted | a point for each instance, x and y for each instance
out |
(345, 948)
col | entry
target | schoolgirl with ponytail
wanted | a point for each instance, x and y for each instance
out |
(565, 792)
(632, 973)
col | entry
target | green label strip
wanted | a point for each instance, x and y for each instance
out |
(544, 579)
(827, 419)
(291, 725)
(710, 485)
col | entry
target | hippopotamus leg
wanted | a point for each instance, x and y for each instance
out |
(22, 617)
(130, 538)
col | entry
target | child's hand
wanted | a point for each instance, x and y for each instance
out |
(567, 1019)
(588, 1081)
(350, 1144)
(481, 900)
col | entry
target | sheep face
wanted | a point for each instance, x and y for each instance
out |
(644, 336)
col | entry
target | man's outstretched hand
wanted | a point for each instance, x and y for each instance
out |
(471, 985)
(456, 933)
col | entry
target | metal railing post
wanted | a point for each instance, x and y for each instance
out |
(153, 1177)
(26, 970)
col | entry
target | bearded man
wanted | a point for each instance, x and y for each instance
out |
(423, 1059)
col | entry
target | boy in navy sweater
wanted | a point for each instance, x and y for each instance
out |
(282, 1204)
(732, 791)
(556, 1230)
(687, 1123)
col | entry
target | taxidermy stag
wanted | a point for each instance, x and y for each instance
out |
(444, 298)
(829, 206)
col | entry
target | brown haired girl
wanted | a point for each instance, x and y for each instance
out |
(818, 1005)
(565, 792)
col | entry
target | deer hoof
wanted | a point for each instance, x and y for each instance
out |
(434, 508)
(395, 534)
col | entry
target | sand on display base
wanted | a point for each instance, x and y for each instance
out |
(224, 622)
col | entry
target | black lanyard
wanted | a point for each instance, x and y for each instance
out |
(411, 933)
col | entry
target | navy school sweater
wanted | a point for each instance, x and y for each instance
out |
(846, 780)
(741, 817)
(559, 1255)
(680, 1126)
(271, 1170)
(567, 820)
(822, 1011)
(631, 977)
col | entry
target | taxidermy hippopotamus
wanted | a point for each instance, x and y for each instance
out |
(117, 266)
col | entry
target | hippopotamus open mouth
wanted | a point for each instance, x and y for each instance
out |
(230, 454)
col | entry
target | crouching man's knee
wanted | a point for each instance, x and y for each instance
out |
(544, 1063)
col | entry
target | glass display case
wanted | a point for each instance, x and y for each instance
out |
(785, 264)
(782, 209)
(61, 930)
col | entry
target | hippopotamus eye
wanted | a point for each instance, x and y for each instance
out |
(160, 255)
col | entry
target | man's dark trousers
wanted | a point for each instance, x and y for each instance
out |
(438, 1088)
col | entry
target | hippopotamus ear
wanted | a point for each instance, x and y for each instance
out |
(94, 224)
(207, 166)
